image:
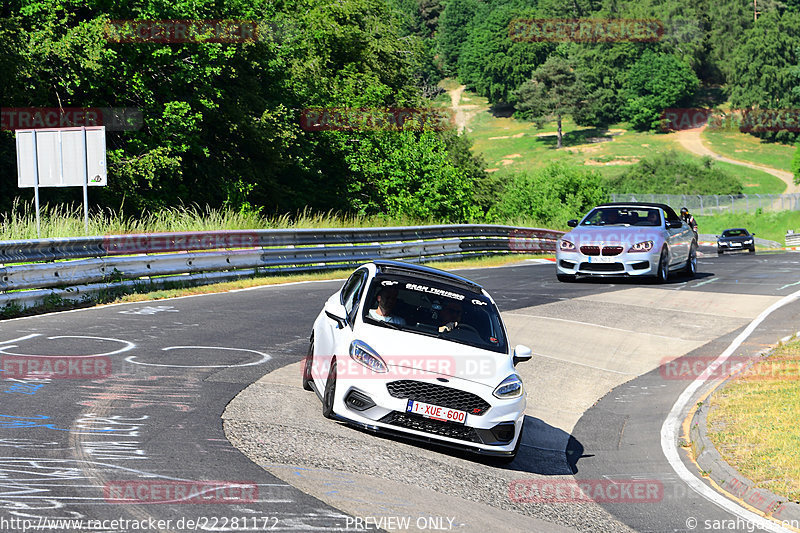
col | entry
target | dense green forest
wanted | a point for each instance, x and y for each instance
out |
(221, 121)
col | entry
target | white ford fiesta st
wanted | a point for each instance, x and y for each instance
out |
(412, 350)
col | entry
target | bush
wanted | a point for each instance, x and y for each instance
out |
(552, 195)
(669, 173)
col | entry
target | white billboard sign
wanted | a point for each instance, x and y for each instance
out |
(61, 157)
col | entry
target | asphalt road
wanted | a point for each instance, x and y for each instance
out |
(144, 417)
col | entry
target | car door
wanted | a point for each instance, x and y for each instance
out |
(679, 239)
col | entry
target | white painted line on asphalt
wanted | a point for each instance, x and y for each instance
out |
(671, 427)
(26, 337)
(594, 325)
(704, 282)
(789, 285)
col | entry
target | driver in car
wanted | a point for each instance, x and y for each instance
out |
(387, 299)
(450, 316)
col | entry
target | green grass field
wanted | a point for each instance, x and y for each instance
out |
(769, 225)
(735, 145)
(511, 145)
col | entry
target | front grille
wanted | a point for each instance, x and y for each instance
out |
(590, 250)
(603, 267)
(435, 427)
(438, 395)
(612, 250)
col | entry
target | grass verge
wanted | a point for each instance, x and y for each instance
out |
(753, 422)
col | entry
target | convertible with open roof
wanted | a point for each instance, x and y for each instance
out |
(627, 239)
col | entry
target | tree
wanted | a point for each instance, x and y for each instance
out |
(656, 81)
(763, 72)
(555, 90)
(453, 23)
(551, 195)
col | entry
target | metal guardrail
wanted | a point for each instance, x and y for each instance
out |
(33, 271)
(718, 203)
(792, 238)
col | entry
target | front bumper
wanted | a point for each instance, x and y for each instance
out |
(494, 432)
(623, 264)
(726, 246)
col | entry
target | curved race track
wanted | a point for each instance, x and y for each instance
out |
(152, 417)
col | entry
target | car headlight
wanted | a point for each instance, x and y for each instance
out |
(749, 241)
(644, 246)
(566, 246)
(509, 388)
(362, 353)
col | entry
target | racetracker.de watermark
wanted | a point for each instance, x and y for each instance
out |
(745, 120)
(586, 491)
(170, 242)
(584, 30)
(174, 492)
(182, 31)
(749, 368)
(393, 367)
(375, 119)
(55, 367)
(113, 118)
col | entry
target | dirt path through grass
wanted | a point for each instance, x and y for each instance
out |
(463, 112)
(691, 141)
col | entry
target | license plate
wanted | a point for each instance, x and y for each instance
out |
(736, 244)
(601, 259)
(436, 412)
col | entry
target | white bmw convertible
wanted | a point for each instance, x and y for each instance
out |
(416, 351)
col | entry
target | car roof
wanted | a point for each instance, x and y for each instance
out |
(670, 212)
(735, 229)
(385, 266)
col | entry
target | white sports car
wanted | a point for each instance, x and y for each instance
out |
(416, 351)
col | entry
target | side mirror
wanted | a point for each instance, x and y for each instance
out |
(752, 234)
(335, 311)
(674, 224)
(572, 223)
(522, 353)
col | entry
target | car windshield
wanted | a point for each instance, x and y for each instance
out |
(623, 216)
(435, 309)
(735, 233)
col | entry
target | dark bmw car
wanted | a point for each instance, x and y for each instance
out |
(736, 239)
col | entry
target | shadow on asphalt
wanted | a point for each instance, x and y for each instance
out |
(545, 450)
(643, 282)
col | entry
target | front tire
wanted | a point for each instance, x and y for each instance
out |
(663, 267)
(308, 365)
(691, 263)
(330, 392)
(565, 278)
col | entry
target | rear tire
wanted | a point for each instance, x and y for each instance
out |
(330, 392)
(308, 365)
